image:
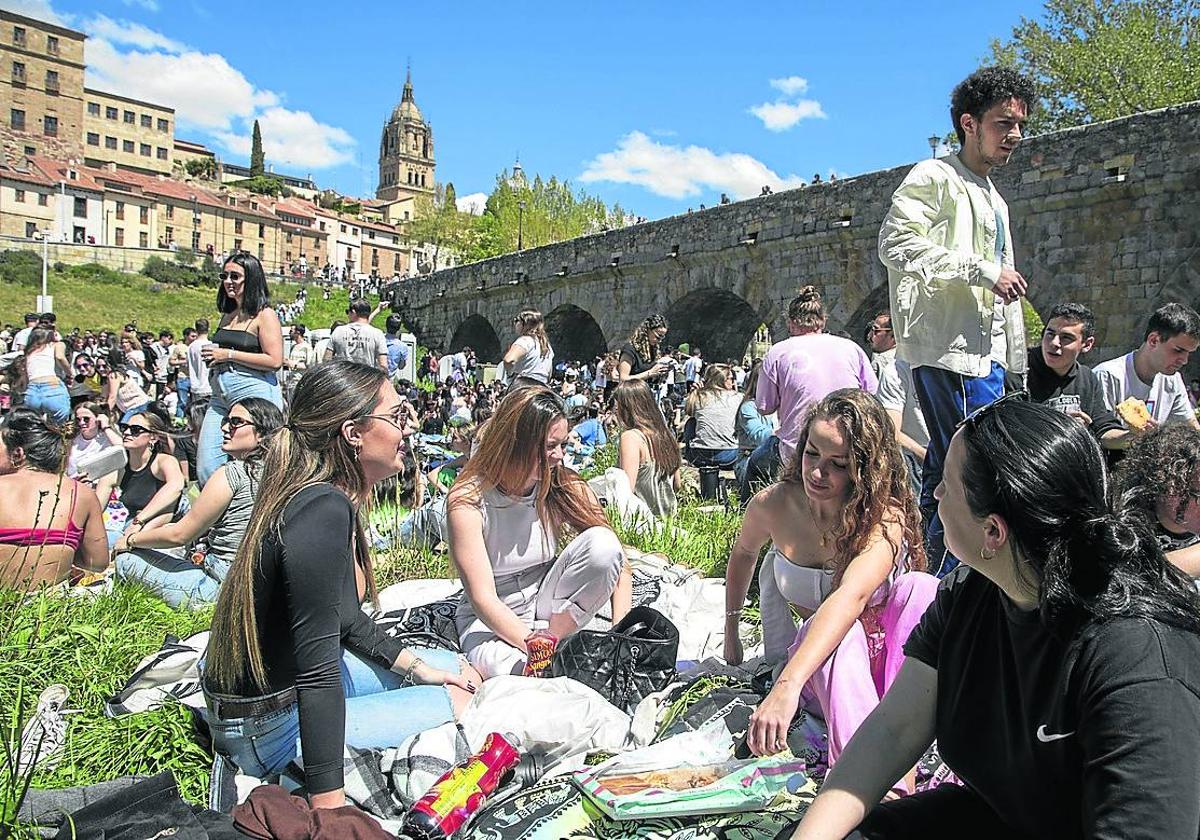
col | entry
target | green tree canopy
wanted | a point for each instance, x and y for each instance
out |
(258, 163)
(1101, 59)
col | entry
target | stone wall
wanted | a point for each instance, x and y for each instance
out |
(121, 259)
(1082, 232)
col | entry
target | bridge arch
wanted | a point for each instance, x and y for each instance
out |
(477, 333)
(574, 334)
(720, 322)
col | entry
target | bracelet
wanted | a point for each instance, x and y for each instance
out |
(129, 541)
(229, 358)
(729, 613)
(408, 672)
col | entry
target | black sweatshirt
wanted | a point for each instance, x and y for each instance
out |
(307, 607)
(1079, 389)
(1097, 736)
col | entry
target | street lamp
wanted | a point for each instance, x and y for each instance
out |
(934, 142)
(44, 303)
(521, 225)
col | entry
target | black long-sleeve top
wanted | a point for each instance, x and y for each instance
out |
(307, 607)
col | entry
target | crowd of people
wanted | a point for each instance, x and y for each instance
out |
(959, 534)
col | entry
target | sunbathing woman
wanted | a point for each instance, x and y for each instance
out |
(647, 452)
(221, 512)
(1057, 672)
(509, 511)
(291, 651)
(48, 523)
(846, 554)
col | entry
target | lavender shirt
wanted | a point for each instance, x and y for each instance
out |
(802, 370)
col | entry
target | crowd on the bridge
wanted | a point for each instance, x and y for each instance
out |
(959, 533)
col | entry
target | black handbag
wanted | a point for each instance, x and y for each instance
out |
(634, 659)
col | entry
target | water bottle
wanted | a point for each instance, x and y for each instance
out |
(461, 792)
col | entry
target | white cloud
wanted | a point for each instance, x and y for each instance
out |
(780, 116)
(790, 85)
(682, 171)
(132, 34)
(40, 9)
(148, 5)
(293, 139)
(473, 203)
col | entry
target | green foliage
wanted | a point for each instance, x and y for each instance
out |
(1101, 59)
(263, 185)
(172, 273)
(21, 267)
(1033, 323)
(204, 167)
(185, 256)
(258, 165)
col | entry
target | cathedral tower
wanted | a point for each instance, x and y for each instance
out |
(406, 161)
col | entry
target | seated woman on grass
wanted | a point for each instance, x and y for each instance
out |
(151, 482)
(647, 451)
(846, 554)
(1056, 669)
(509, 512)
(292, 654)
(222, 510)
(48, 523)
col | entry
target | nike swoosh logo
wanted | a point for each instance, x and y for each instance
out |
(1046, 738)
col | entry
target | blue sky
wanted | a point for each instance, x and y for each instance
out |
(660, 106)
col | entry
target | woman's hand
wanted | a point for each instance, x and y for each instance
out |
(425, 674)
(733, 645)
(121, 545)
(769, 723)
(207, 352)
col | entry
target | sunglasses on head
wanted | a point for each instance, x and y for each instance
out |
(132, 429)
(975, 416)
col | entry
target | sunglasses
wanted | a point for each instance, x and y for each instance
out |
(83, 420)
(230, 275)
(235, 423)
(132, 429)
(396, 418)
(972, 419)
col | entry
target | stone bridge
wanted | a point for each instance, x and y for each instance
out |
(1107, 215)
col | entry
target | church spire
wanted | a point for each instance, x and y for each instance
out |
(407, 96)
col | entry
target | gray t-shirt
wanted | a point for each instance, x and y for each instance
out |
(716, 421)
(227, 532)
(358, 342)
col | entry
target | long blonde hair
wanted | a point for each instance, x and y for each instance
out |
(634, 408)
(309, 449)
(711, 388)
(531, 324)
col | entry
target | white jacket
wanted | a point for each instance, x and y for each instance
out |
(938, 243)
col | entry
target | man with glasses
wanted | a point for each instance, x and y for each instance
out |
(955, 294)
(882, 341)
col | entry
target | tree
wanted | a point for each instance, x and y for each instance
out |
(451, 198)
(1100, 59)
(258, 163)
(202, 167)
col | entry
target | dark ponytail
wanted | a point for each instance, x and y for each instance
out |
(1044, 474)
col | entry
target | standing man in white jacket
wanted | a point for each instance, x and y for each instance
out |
(955, 294)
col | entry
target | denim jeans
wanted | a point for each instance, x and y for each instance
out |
(762, 468)
(229, 386)
(380, 713)
(53, 399)
(723, 458)
(132, 411)
(183, 387)
(177, 580)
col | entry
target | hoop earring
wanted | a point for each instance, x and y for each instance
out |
(984, 556)
(357, 452)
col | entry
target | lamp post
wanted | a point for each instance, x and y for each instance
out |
(521, 225)
(195, 224)
(934, 142)
(44, 303)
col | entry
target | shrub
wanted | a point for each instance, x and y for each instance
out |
(160, 270)
(21, 267)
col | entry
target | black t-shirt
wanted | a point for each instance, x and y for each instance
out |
(1078, 390)
(307, 607)
(185, 453)
(629, 353)
(1096, 736)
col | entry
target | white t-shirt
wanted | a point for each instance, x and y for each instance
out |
(21, 339)
(691, 368)
(81, 448)
(1166, 398)
(896, 393)
(358, 342)
(197, 369)
(533, 365)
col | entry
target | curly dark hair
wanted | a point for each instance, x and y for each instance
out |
(983, 89)
(1162, 464)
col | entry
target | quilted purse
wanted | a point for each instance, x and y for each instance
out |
(634, 659)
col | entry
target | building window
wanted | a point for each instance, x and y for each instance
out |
(144, 215)
(43, 200)
(370, 234)
(110, 142)
(406, 215)
(396, 263)
(80, 208)
(93, 109)
(51, 45)
(195, 240)
(237, 244)
(130, 117)
(30, 229)
(170, 211)
(93, 139)
(50, 126)
(18, 73)
(51, 81)
(161, 152)
(127, 146)
(110, 113)
(374, 258)
(163, 125)
(144, 150)
(343, 227)
(322, 226)
(147, 121)
(170, 233)
(19, 36)
(143, 240)
(262, 231)
(16, 119)
(262, 251)
(354, 231)
(288, 237)
(121, 210)
(237, 225)
(20, 196)
(119, 236)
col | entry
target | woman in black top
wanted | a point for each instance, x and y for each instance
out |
(291, 651)
(244, 355)
(1058, 672)
(638, 357)
(151, 482)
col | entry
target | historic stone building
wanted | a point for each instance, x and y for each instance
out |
(1107, 215)
(406, 162)
(135, 135)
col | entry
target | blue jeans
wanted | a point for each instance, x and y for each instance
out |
(945, 399)
(183, 387)
(380, 713)
(713, 457)
(130, 412)
(762, 468)
(176, 580)
(229, 386)
(52, 399)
